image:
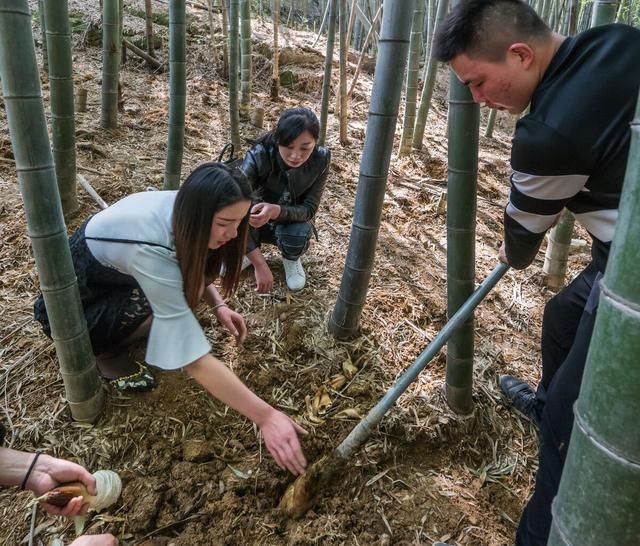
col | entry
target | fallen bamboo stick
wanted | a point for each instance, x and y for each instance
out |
(151, 61)
(93, 193)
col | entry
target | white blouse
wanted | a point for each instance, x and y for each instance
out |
(176, 338)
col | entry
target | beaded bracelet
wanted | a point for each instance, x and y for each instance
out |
(218, 305)
(26, 477)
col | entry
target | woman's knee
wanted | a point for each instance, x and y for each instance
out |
(293, 239)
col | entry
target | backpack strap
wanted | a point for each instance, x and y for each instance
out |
(129, 241)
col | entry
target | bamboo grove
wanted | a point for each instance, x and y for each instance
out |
(399, 36)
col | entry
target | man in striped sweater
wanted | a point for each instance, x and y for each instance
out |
(569, 151)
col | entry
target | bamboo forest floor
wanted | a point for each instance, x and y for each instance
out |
(196, 473)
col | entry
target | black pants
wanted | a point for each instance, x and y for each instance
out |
(567, 327)
(292, 239)
(114, 304)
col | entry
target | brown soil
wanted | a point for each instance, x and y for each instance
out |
(196, 473)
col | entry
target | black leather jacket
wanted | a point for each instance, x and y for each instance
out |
(297, 191)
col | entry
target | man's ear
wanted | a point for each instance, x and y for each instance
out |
(523, 53)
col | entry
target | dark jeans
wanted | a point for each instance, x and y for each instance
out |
(292, 239)
(567, 326)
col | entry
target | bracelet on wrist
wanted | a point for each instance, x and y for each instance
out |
(218, 305)
(31, 467)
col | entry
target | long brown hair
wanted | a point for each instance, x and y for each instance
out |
(209, 188)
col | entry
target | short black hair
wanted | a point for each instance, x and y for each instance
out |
(484, 29)
(292, 123)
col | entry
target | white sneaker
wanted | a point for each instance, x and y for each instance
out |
(294, 273)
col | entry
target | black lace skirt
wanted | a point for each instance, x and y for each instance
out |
(114, 304)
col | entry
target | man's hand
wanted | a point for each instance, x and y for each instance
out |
(232, 321)
(502, 255)
(50, 472)
(261, 213)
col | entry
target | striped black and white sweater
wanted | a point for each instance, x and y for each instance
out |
(571, 149)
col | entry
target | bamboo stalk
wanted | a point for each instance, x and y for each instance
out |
(428, 85)
(234, 56)
(374, 168)
(411, 88)
(463, 136)
(148, 17)
(275, 73)
(364, 48)
(328, 65)
(110, 64)
(177, 93)
(344, 49)
(45, 223)
(61, 100)
(599, 493)
(245, 58)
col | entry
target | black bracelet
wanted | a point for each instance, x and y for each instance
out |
(31, 466)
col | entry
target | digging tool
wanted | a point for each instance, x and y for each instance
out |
(302, 493)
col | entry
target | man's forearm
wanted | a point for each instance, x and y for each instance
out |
(13, 466)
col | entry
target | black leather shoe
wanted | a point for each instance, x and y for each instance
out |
(522, 396)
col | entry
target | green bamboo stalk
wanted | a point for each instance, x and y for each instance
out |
(225, 41)
(374, 167)
(328, 65)
(372, 29)
(43, 31)
(43, 209)
(344, 50)
(604, 12)
(245, 58)
(352, 20)
(110, 64)
(234, 57)
(464, 124)
(275, 73)
(557, 255)
(491, 122)
(61, 100)
(123, 50)
(585, 17)
(429, 83)
(599, 492)
(427, 31)
(148, 17)
(177, 93)
(571, 18)
(411, 93)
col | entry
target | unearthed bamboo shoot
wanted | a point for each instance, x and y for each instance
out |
(108, 489)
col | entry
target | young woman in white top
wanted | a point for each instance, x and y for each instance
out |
(144, 264)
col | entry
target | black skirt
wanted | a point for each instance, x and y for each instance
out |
(114, 304)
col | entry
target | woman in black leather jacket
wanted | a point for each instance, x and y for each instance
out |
(288, 171)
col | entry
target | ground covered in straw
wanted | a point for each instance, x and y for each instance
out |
(196, 473)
